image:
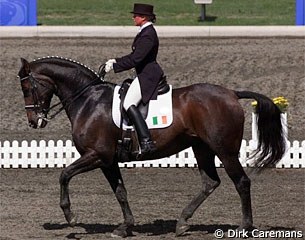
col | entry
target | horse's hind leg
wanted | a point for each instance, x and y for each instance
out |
(115, 179)
(242, 184)
(205, 158)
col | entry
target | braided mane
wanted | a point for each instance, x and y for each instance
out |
(69, 60)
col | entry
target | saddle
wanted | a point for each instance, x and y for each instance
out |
(124, 149)
(162, 88)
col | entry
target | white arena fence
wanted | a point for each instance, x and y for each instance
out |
(51, 154)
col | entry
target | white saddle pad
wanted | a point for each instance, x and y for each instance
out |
(160, 111)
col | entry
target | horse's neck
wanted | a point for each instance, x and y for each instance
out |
(70, 84)
(71, 93)
(68, 75)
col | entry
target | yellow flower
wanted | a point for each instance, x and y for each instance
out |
(254, 103)
(281, 102)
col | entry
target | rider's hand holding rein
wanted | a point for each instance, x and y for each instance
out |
(109, 65)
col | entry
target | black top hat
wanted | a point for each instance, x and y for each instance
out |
(143, 9)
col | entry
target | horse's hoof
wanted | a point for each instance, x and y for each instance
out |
(181, 229)
(122, 231)
(119, 234)
(247, 227)
(73, 221)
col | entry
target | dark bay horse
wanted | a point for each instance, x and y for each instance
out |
(207, 118)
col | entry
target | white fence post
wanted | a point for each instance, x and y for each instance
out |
(5, 153)
(254, 127)
(33, 153)
(42, 154)
(50, 153)
(302, 152)
(59, 160)
(24, 150)
(297, 154)
(69, 152)
(15, 154)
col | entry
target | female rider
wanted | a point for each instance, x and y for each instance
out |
(149, 73)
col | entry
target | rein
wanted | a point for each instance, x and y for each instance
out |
(65, 103)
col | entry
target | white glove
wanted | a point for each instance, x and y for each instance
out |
(109, 65)
(111, 61)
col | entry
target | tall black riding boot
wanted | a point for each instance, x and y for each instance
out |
(146, 144)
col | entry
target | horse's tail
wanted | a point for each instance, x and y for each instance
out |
(271, 141)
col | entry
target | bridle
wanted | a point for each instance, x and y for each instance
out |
(37, 106)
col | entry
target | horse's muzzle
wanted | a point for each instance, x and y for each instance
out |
(39, 123)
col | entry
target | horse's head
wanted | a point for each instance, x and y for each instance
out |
(37, 90)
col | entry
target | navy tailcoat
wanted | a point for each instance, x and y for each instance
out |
(143, 58)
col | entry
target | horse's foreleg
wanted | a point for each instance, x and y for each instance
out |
(210, 180)
(86, 163)
(115, 179)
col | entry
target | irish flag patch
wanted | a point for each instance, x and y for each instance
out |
(159, 120)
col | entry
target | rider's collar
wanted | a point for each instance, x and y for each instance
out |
(144, 26)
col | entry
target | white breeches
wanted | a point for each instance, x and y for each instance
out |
(133, 95)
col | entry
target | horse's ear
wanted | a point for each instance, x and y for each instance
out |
(25, 66)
